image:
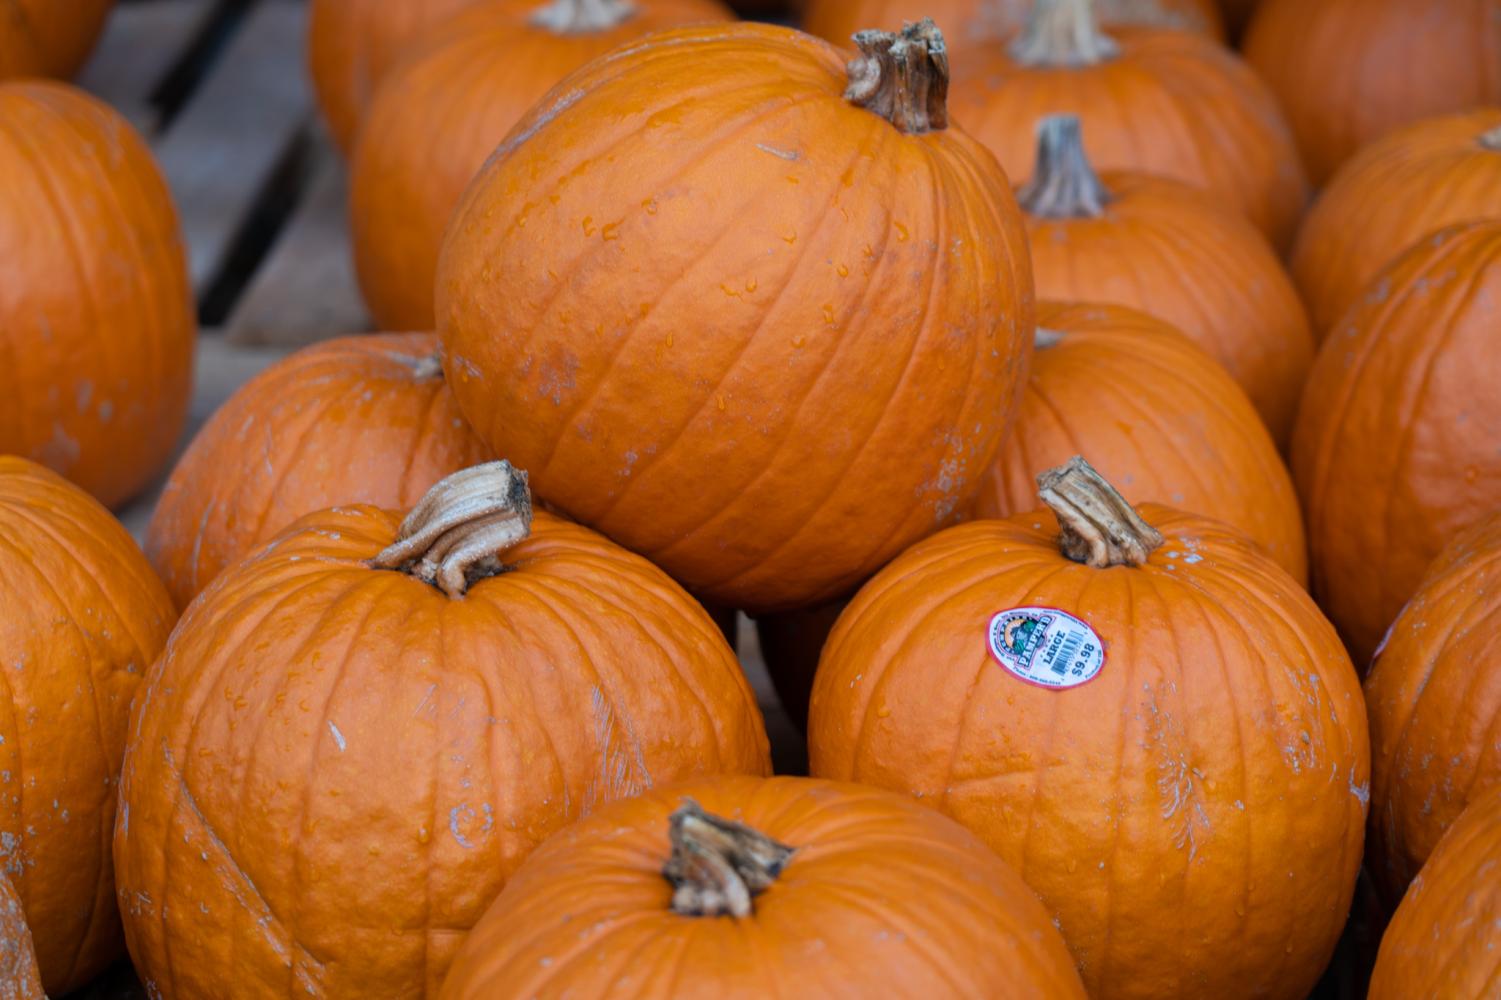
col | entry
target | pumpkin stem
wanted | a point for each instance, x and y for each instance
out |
(717, 865)
(1063, 184)
(903, 77)
(1492, 140)
(1099, 528)
(579, 17)
(1063, 33)
(426, 368)
(1043, 338)
(456, 534)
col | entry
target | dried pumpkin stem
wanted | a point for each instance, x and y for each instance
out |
(1043, 338)
(903, 77)
(1063, 184)
(1063, 33)
(1492, 140)
(1099, 528)
(427, 367)
(579, 17)
(458, 531)
(718, 866)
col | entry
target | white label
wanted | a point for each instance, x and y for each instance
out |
(1046, 646)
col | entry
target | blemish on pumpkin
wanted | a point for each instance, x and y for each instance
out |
(791, 155)
(338, 736)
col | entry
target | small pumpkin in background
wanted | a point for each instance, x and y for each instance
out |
(389, 714)
(767, 364)
(441, 112)
(1162, 247)
(1139, 711)
(1156, 101)
(19, 978)
(48, 37)
(84, 619)
(97, 319)
(1396, 444)
(1332, 65)
(967, 24)
(720, 887)
(1434, 698)
(1395, 191)
(1445, 938)
(1154, 414)
(363, 419)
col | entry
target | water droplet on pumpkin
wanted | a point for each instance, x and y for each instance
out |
(669, 340)
(842, 271)
(884, 712)
(752, 285)
(902, 235)
(611, 232)
(650, 205)
(588, 225)
(424, 835)
(828, 313)
(719, 401)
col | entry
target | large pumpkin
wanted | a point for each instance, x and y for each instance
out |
(441, 113)
(968, 24)
(765, 333)
(84, 617)
(1396, 446)
(355, 420)
(1388, 196)
(49, 37)
(746, 887)
(352, 44)
(1445, 939)
(1157, 245)
(1434, 695)
(96, 318)
(357, 735)
(1154, 414)
(1142, 713)
(1334, 64)
(1156, 101)
(19, 979)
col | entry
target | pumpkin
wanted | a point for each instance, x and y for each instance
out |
(97, 318)
(1157, 245)
(1434, 695)
(363, 419)
(353, 44)
(1391, 194)
(969, 24)
(48, 38)
(1155, 414)
(1155, 101)
(19, 979)
(1331, 65)
(84, 618)
(1140, 712)
(791, 642)
(762, 332)
(439, 115)
(727, 887)
(1395, 449)
(1445, 938)
(381, 717)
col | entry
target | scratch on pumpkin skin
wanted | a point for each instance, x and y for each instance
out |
(791, 155)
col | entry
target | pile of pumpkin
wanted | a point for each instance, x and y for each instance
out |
(756, 315)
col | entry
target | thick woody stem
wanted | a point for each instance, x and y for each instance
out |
(1063, 33)
(1098, 527)
(1043, 338)
(427, 367)
(578, 17)
(1063, 184)
(457, 533)
(1492, 139)
(717, 866)
(903, 77)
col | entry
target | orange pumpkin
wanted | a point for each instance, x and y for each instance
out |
(1445, 939)
(841, 890)
(1395, 450)
(1388, 196)
(439, 115)
(1434, 695)
(19, 979)
(355, 420)
(1141, 712)
(84, 618)
(357, 735)
(97, 317)
(1336, 66)
(48, 37)
(1160, 102)
(1159, 246)
(759, 331)
(352, 44)
(968, 24)
(1153, 413)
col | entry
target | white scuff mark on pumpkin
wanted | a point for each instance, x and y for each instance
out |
(106, 410)
(85, 393)
(537, 124)
(1362, 791)
(791, 155)
(463, 816)
(427, 697)
(615, 778)
(338, 736)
